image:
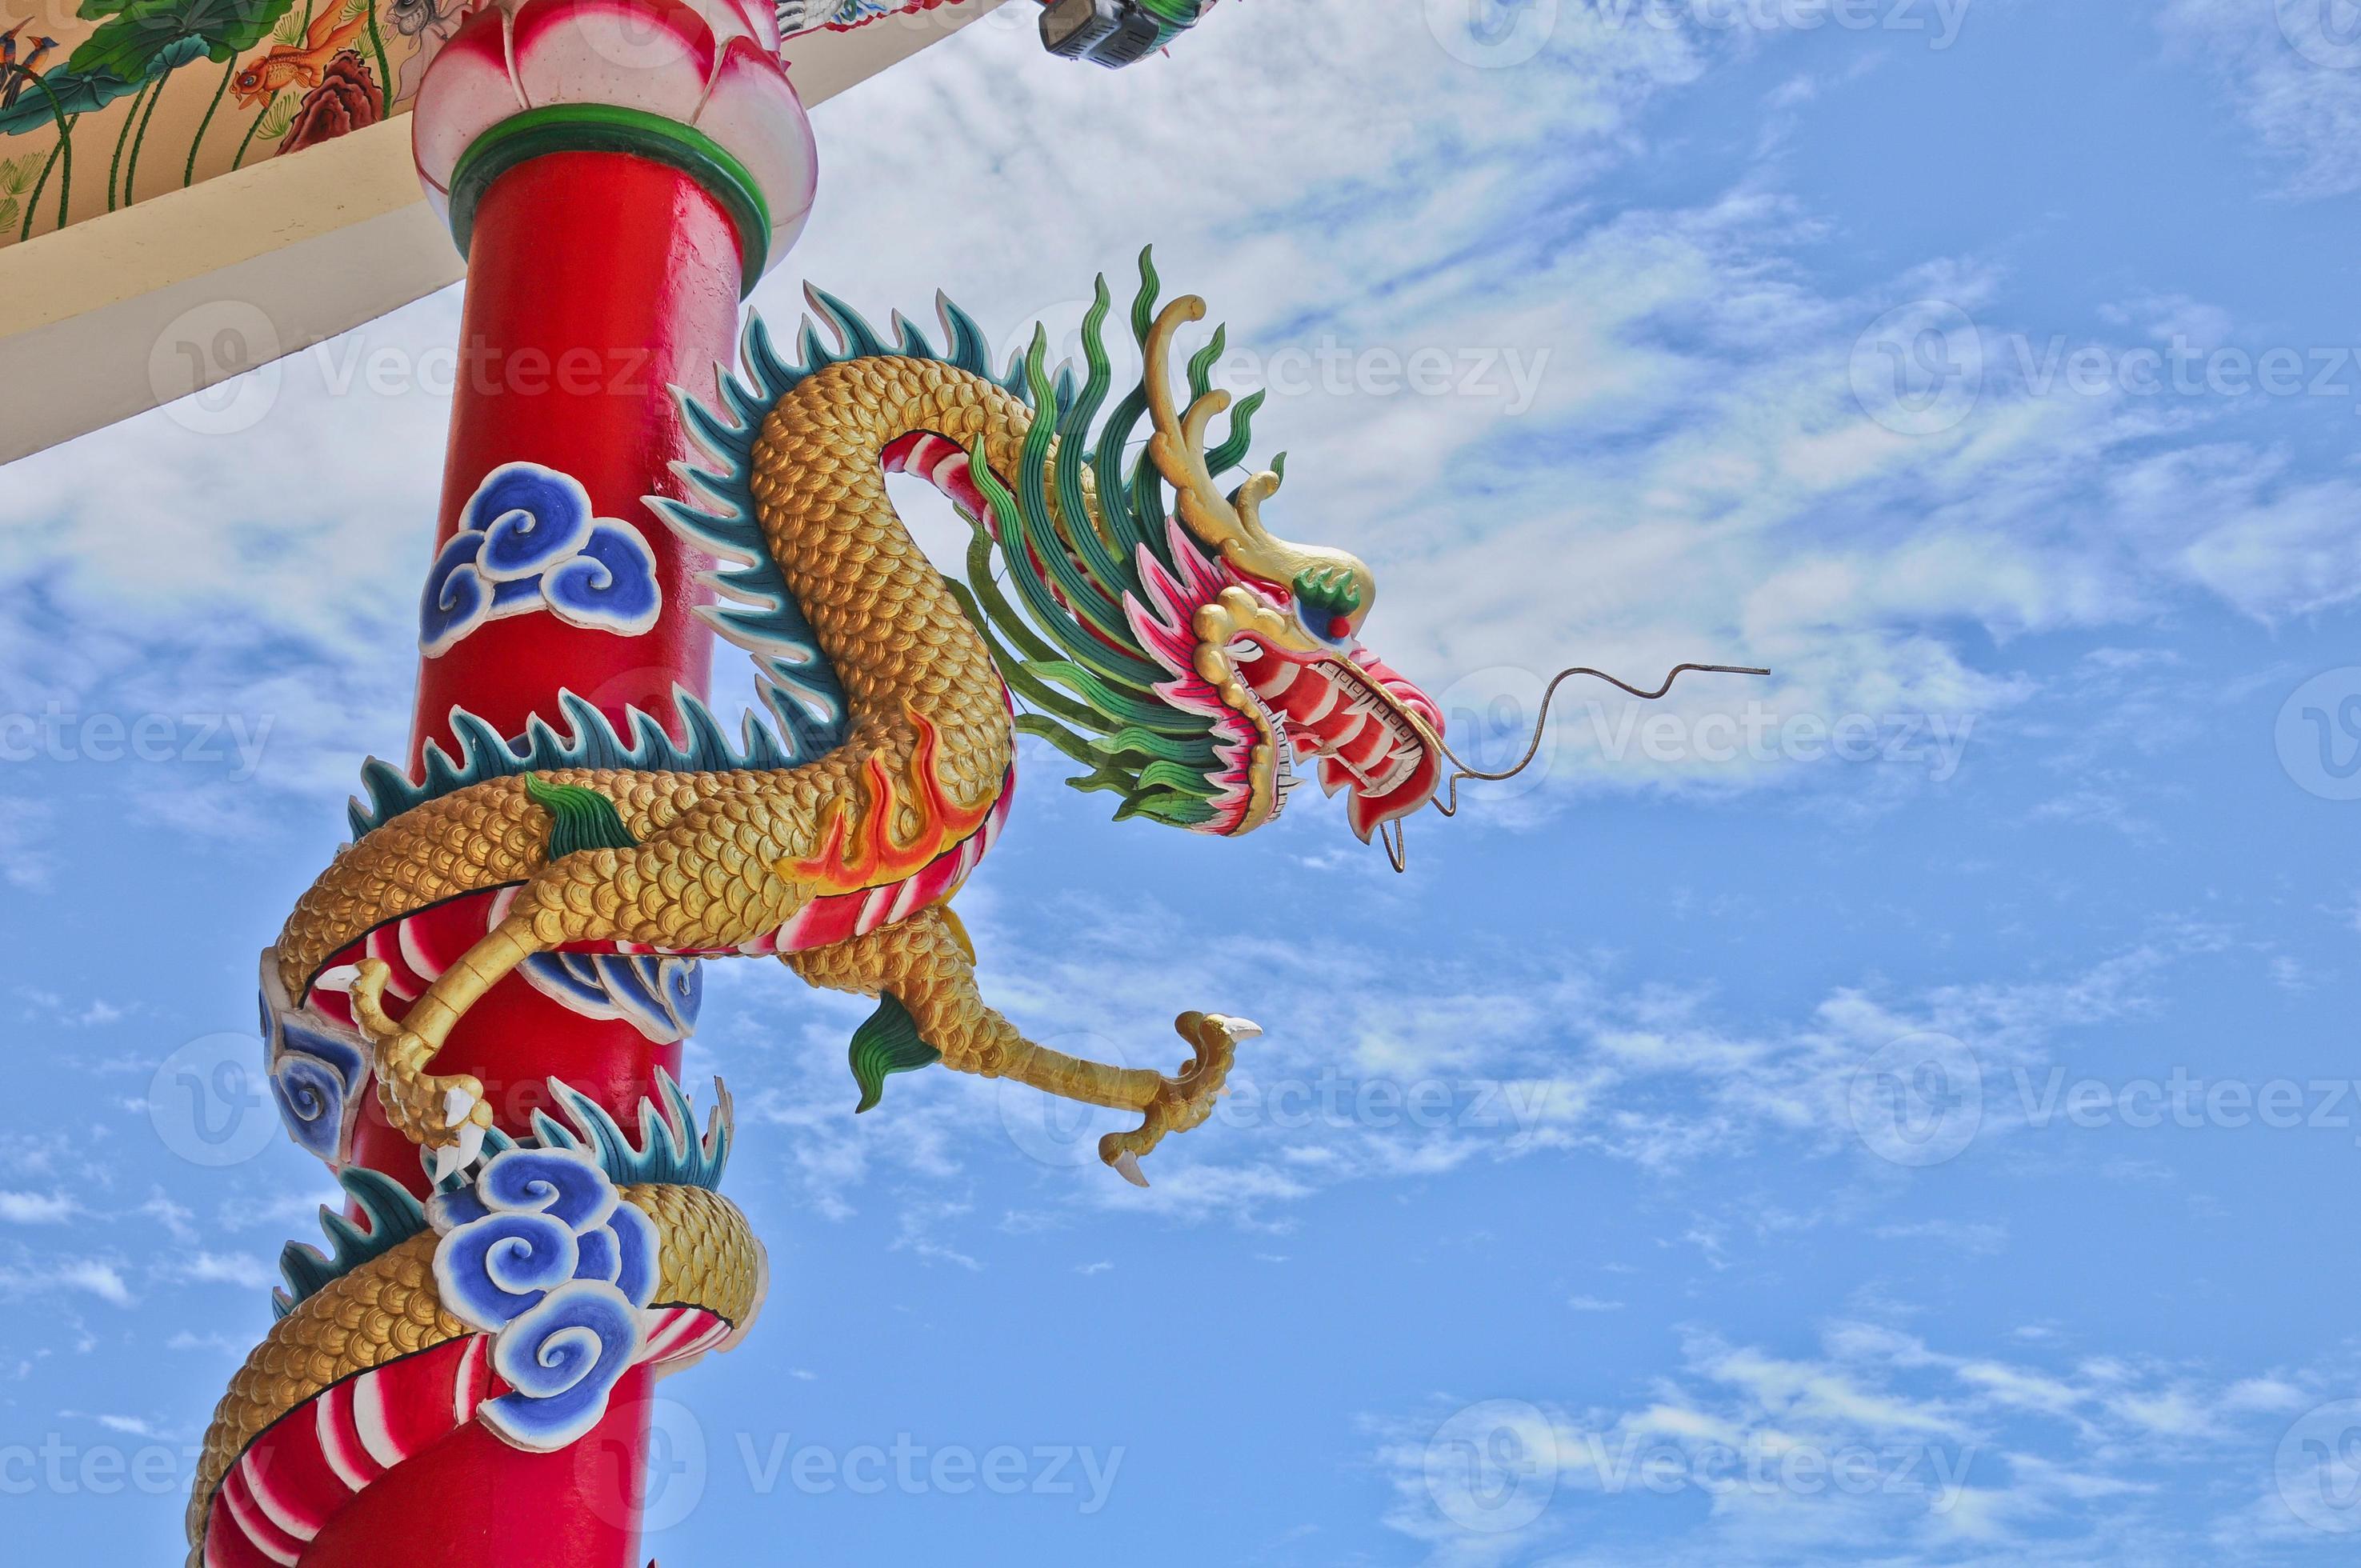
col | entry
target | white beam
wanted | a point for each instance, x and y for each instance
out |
(119, 313)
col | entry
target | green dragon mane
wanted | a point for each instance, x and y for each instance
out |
(1075, 556)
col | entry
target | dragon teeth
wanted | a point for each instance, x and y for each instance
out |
(1400, 767)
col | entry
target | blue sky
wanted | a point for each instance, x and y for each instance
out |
(1564, 1215)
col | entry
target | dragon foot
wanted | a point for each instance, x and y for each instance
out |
(1186, 1099)
(445, 1112)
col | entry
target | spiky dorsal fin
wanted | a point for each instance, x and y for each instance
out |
(638, 744)
(388, 1216)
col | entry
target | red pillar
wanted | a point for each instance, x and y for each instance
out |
(610, 231)
(595, 281)
(473, 1499)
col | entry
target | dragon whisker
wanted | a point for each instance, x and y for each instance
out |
(1449, 803)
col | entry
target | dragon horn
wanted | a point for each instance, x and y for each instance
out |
(1230, 523)
(1179, 448)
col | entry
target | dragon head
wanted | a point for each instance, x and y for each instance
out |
(1280, 641)
(1187, 655)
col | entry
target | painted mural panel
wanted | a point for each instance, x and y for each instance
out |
(114, 101)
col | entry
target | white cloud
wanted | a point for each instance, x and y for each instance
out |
(37, 1208)
(24, 862)
(87, 1276)
(1876, 1447)
(239, 1268)
(2292, 70)
(100, 1279)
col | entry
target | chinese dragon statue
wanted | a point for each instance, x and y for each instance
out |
(1180, 656)
(1128, 607)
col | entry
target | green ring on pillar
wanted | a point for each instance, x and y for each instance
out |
(611, 127)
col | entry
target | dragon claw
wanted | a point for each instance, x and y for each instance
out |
(1187, 1098)
(453, 1158)
(446, 1113)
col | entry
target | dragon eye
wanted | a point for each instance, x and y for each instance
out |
(1325, 598)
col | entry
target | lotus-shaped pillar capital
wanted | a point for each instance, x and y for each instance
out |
(693, 83)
